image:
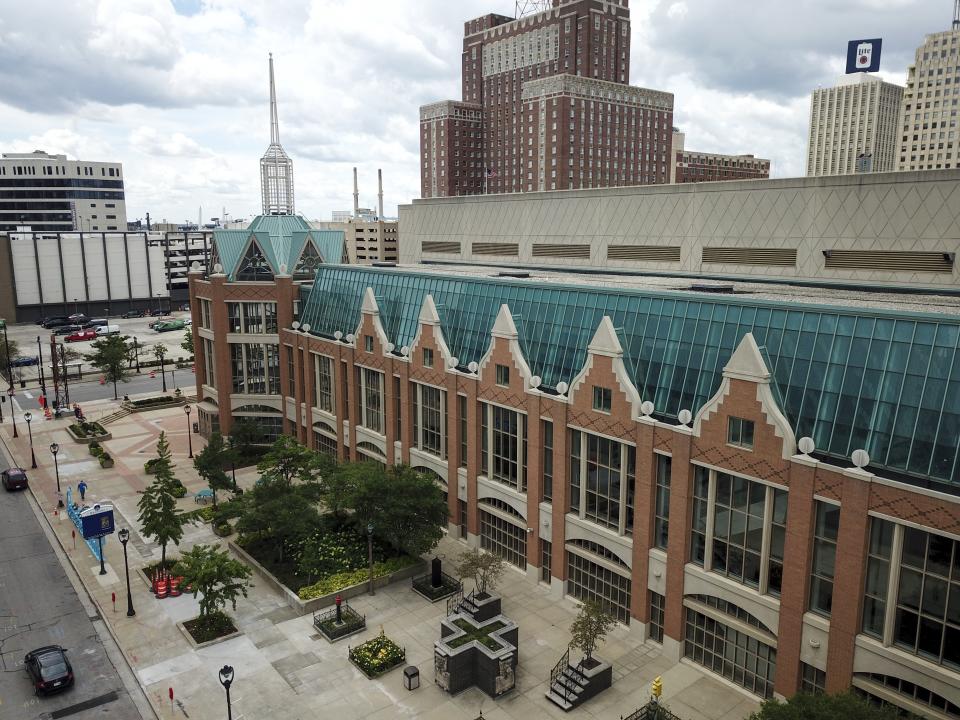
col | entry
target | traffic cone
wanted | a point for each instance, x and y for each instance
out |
(103, 380)
(47, 413)
(153, 374)
(175, 587)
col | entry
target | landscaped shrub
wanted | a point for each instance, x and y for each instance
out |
(179, 489)
(150, 466)
(224, 529)
(87, 429)
(94, 448)
(151, 401)
(378, 655)
(339, 581)
(212, 626)
(97, 451)
(105, 460)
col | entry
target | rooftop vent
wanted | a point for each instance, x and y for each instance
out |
(712, 288)
(519, 275)
(383, 264)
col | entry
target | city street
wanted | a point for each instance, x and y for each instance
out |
(39, 606)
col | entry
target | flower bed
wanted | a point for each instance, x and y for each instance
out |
(350, 622)
(339, 581)
(88, 432)
(378, 656)
(212, 627)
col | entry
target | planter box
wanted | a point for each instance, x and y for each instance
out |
(308, 606)
(381, 673)
(133, 408)
(353, 623)
(106, 463)
(448, 586)
(89, 438)
(197, 646)
(458, 667)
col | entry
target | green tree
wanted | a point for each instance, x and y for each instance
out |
(187, 343)
(281, 512)
(216, 577)
(159, 516)
(109, 356)
(160, 352)
(590, 627)
(358, 487)
(244, 436)
(416, 511)
(210, 463)
(823, 707)
(287, 461)
(5, 358)
(485, 569)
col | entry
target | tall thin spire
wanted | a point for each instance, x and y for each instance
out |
(274, 124)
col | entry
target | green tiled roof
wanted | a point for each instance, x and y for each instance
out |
(850, 378)
(281, 237)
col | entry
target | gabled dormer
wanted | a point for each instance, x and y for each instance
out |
(253, 264)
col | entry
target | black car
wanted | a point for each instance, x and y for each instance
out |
(66, 329)
(13, 479)
(95, 323)
(132, 314)
(78, 318)
(24, 361)
(52, 322)
(49, 669)
(157, 313)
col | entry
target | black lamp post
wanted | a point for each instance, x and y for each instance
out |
(187, 409)
(136, 352)
(370, 557)
(43, 383)
(28, 416)
(54, 449)
(6, 343)
(124, 536)
(163, 373)
(13, 416)
(226, 679)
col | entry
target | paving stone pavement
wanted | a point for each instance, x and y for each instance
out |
(284, 669)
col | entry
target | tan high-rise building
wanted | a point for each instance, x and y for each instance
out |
(853, 126)
(928, 116)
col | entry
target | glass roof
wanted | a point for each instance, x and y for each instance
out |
(850, 378)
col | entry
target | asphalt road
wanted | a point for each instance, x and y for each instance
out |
(91, 389)
(39, 606)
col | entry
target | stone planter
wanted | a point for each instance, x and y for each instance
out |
(308, 606)
(476, 653)
(89, 438)
(106, 462)
(197, 646)
(134, 408)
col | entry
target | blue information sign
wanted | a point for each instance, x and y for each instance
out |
(96, 522)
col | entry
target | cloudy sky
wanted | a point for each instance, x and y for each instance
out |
(177, 89)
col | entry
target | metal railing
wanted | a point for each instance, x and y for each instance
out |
(557, 673)
(653, 710)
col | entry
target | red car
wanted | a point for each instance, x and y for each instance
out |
(81, 335)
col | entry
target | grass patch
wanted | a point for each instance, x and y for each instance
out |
(213, 626)
(480, 634)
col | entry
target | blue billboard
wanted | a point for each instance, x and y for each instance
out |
(863, 55)
(96, 522)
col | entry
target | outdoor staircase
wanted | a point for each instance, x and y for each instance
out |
(460, 603)
(114, 416)
(567, 684)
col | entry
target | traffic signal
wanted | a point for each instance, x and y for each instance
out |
(656, 687)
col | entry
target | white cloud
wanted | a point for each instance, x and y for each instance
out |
(177, 91)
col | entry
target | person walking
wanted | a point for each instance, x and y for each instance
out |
(82, 487)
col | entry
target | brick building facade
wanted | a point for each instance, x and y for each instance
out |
(546, 105)
(713, 530)
(691, 166)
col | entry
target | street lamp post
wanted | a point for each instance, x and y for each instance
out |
(124, 536)
(226, 679)
(103, 570)
(43, 383)
(13, 416)
(163, 373)
(28, 416)
(136, 352)
(6, 343)
(187, 409)
(54, 449)
(370, 557)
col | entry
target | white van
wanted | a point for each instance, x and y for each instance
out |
(108, 330)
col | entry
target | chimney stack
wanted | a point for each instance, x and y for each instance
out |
(380, 195)
(356, 197)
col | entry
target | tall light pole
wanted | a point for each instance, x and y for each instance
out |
(124, 536)
(226, 679)
(54, 449)
(13, 416)
(43, 384)
(6, 343)
(136, 352)
(370, 557)
(186, 409)
(28, 416)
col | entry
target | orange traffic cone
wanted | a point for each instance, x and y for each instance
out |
(47, 413)
(152, 374)
(103, 380)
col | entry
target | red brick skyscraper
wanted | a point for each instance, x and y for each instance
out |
(547, 105)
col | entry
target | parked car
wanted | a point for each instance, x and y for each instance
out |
(159, 320)
(169, 325)
(56, 321)
(66, 329)
(78, 318)
(157, 313)
(132, 314)
(95, 323)
(49, 669)
(108, 330)
(13, 479)
(24, 361)
(82, 335)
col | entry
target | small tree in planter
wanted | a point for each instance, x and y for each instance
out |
(209, 464)
(218, 579)
(159, 515)
(589, 629)
(485, 569)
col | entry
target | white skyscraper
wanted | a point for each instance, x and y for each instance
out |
(276, 167)
(853, 126)
(928, 117)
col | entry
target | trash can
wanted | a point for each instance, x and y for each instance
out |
(411, 677)
(196, 427)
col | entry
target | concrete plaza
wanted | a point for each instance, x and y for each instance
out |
(284, 669)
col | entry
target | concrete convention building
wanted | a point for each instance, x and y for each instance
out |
(928, 116)
(546, 105)
(853, 126)
(717, 463)
(44, 192)
(694, 166)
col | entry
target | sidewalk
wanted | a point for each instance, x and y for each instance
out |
(284, 669)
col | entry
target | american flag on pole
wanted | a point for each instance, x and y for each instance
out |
(491, 173)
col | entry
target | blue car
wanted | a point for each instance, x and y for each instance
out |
(23, 361)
